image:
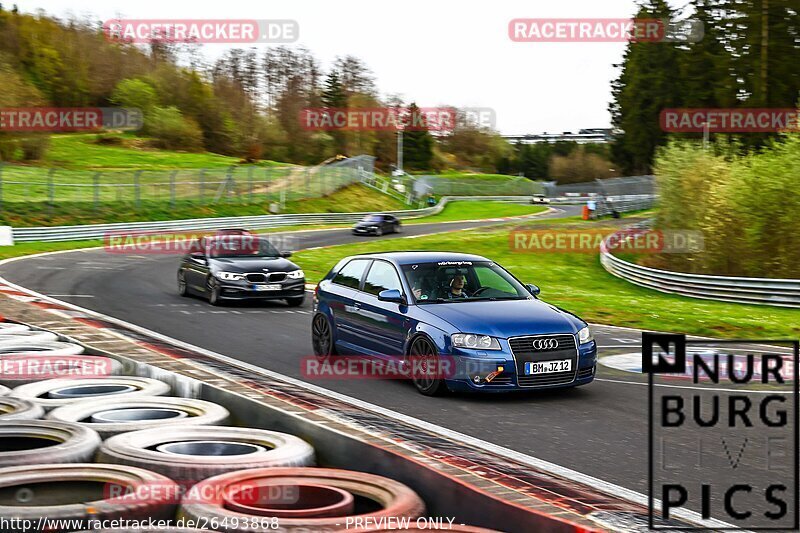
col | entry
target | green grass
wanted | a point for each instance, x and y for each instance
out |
(82, 152)
(28, 248)
(455, 211)
(579, 284)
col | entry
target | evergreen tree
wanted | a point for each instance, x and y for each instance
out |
(333, 97)
(417, 142)
(646, 85)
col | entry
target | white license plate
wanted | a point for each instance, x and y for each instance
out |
(268, 287)
(548, 367)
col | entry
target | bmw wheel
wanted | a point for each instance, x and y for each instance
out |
(378, 232)
(213, 290)
(426, 368)
(322, 337)
(182, 284)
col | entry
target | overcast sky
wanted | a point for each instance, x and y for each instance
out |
(435, 52)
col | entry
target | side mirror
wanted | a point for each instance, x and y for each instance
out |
(286, 254)
(391, 295)
(198, 257)
(533, 289)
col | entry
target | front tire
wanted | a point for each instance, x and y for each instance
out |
(182, 288)
(322, 337)
(426, 357)
(379, 232)
(213, 291)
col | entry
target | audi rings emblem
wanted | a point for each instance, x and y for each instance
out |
(545, 344)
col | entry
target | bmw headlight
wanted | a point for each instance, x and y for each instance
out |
(230, 276)
(474, 342)
(296, 274)
(585, 335)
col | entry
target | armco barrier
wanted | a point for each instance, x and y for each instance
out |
(97, 231)
(762, 291)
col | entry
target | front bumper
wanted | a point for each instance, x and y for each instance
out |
(364, 231)
(244, 290)
(474, 366)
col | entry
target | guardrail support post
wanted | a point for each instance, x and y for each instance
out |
(1, 187)
(202, 185)
(172, 188)
(51, 190)
(137, 192)
(96, 190)
(249, 185)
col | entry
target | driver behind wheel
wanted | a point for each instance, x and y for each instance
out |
(456, 289)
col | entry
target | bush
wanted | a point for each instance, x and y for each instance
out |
(34, 148)
(744, 206)
(172, 131)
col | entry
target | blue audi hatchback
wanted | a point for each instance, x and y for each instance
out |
(459, 311)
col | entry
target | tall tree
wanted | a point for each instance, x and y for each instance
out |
(417, 142)
(646, 85)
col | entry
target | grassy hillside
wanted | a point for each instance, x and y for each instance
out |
(115, 151)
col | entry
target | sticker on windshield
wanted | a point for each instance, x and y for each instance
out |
(454, 263)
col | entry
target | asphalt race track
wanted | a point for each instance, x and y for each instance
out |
(599, 429)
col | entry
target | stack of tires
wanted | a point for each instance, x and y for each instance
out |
(117, 447)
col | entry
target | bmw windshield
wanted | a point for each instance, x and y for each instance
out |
(240, 246)
(462, 281)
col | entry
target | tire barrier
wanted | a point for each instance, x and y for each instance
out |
(82, 491)
(300, 498)
(112, 416)
(191, 454)
(32, 335)
(164, 455)
(54, 393)
(35, 442)
(22, 346)
(10, 328)
(18, 409)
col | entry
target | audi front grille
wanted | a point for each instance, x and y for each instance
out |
(539, 348)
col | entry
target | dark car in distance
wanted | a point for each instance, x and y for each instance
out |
(377, 225)
(240, 267)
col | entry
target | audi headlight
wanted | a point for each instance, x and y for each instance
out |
(296, 274)
(230, 276)
(585, 335)
(474, 342)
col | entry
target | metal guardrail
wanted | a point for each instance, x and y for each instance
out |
(761, 291)
(98, 231)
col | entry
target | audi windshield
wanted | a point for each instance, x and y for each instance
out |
(467, 281)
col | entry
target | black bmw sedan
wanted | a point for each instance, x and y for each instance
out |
(240, 267)
(377, 225)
